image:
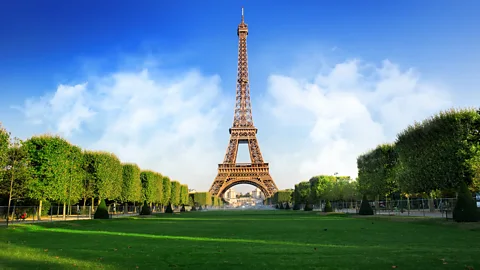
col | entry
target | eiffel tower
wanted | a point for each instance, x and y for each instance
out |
(257, 172)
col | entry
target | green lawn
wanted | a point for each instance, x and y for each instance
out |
(242, 240)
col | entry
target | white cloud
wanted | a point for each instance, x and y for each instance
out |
(165, 124)
(171, 125)
(342, 113)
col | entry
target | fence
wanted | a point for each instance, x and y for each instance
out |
(29, 214)
(441, 208)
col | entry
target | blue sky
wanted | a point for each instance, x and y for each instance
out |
(303, 58)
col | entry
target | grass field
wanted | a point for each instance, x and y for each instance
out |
(242, 240)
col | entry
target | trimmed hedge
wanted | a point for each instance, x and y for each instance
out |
(328, 207)
(102, 211)
(365, 208)
(465, 209)
(145, 209)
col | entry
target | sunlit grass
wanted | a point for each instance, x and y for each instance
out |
(240, 240)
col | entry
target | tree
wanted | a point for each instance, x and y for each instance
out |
(149, 189)
(184, 195)
(4, 145)
(437, 153)
(175, 193)
(202, 198)
(159, 188)
(167, 191)
(376, 171)
(56, 174)
(283, 196)
(107, 171)
(132, 185)
(18, 173)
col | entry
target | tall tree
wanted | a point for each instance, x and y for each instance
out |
(4, 144)
(148, 186)
(132, 185)
(175, 191)
(167, 190)
(183, 194)
(18, 173)
(159, 188)
(52, 167)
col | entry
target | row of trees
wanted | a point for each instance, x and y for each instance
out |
(48, 168)
(429, 159)
(318, 190)
(204, 200)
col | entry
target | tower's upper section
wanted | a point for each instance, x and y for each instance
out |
(242, 27)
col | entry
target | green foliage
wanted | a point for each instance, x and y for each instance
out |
(296, 206)
(184, 195)
(376, 171)
(158, 188)
(149, 189)
(202, 198)
(132, 185)
(146, 209)
(365, 208)
(106, 171)
(56, 166)
(102, 211)
(282, 196)
(301, 194)
(19, 173)
(328, 207)
(167, 190)
(465, 209)
(4, 145)
(439, 153)
(175, 193)
(287, 206)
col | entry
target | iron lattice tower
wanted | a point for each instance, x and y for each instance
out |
(257, 172)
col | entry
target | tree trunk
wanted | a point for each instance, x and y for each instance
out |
(125, 208)
(377, 203)
(84, 204)
(39, 216)
(10, 196)
(64, 211)
(431, 204)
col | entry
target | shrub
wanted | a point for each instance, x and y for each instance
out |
(169, 209)
(365, 208)
(308, 207)
(193, 208)
(102, 211)
(281, 206)
(296, 206)
(145, 209)
(200, 208)
(276, 206)
(183, 208)
(328, 207)
(466, 209)
(287, 206)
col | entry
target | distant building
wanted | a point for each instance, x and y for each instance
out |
(257, 194)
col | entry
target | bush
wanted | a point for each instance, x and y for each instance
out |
(296, 206)
(102, 211)
(169, 209)
(200, 208)
(193, 208)
(365, 208)
(466, 209)
(145, 209)
(328, 207)
(281, 206)
(183, 208)
(287, 206)
(308, 207)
